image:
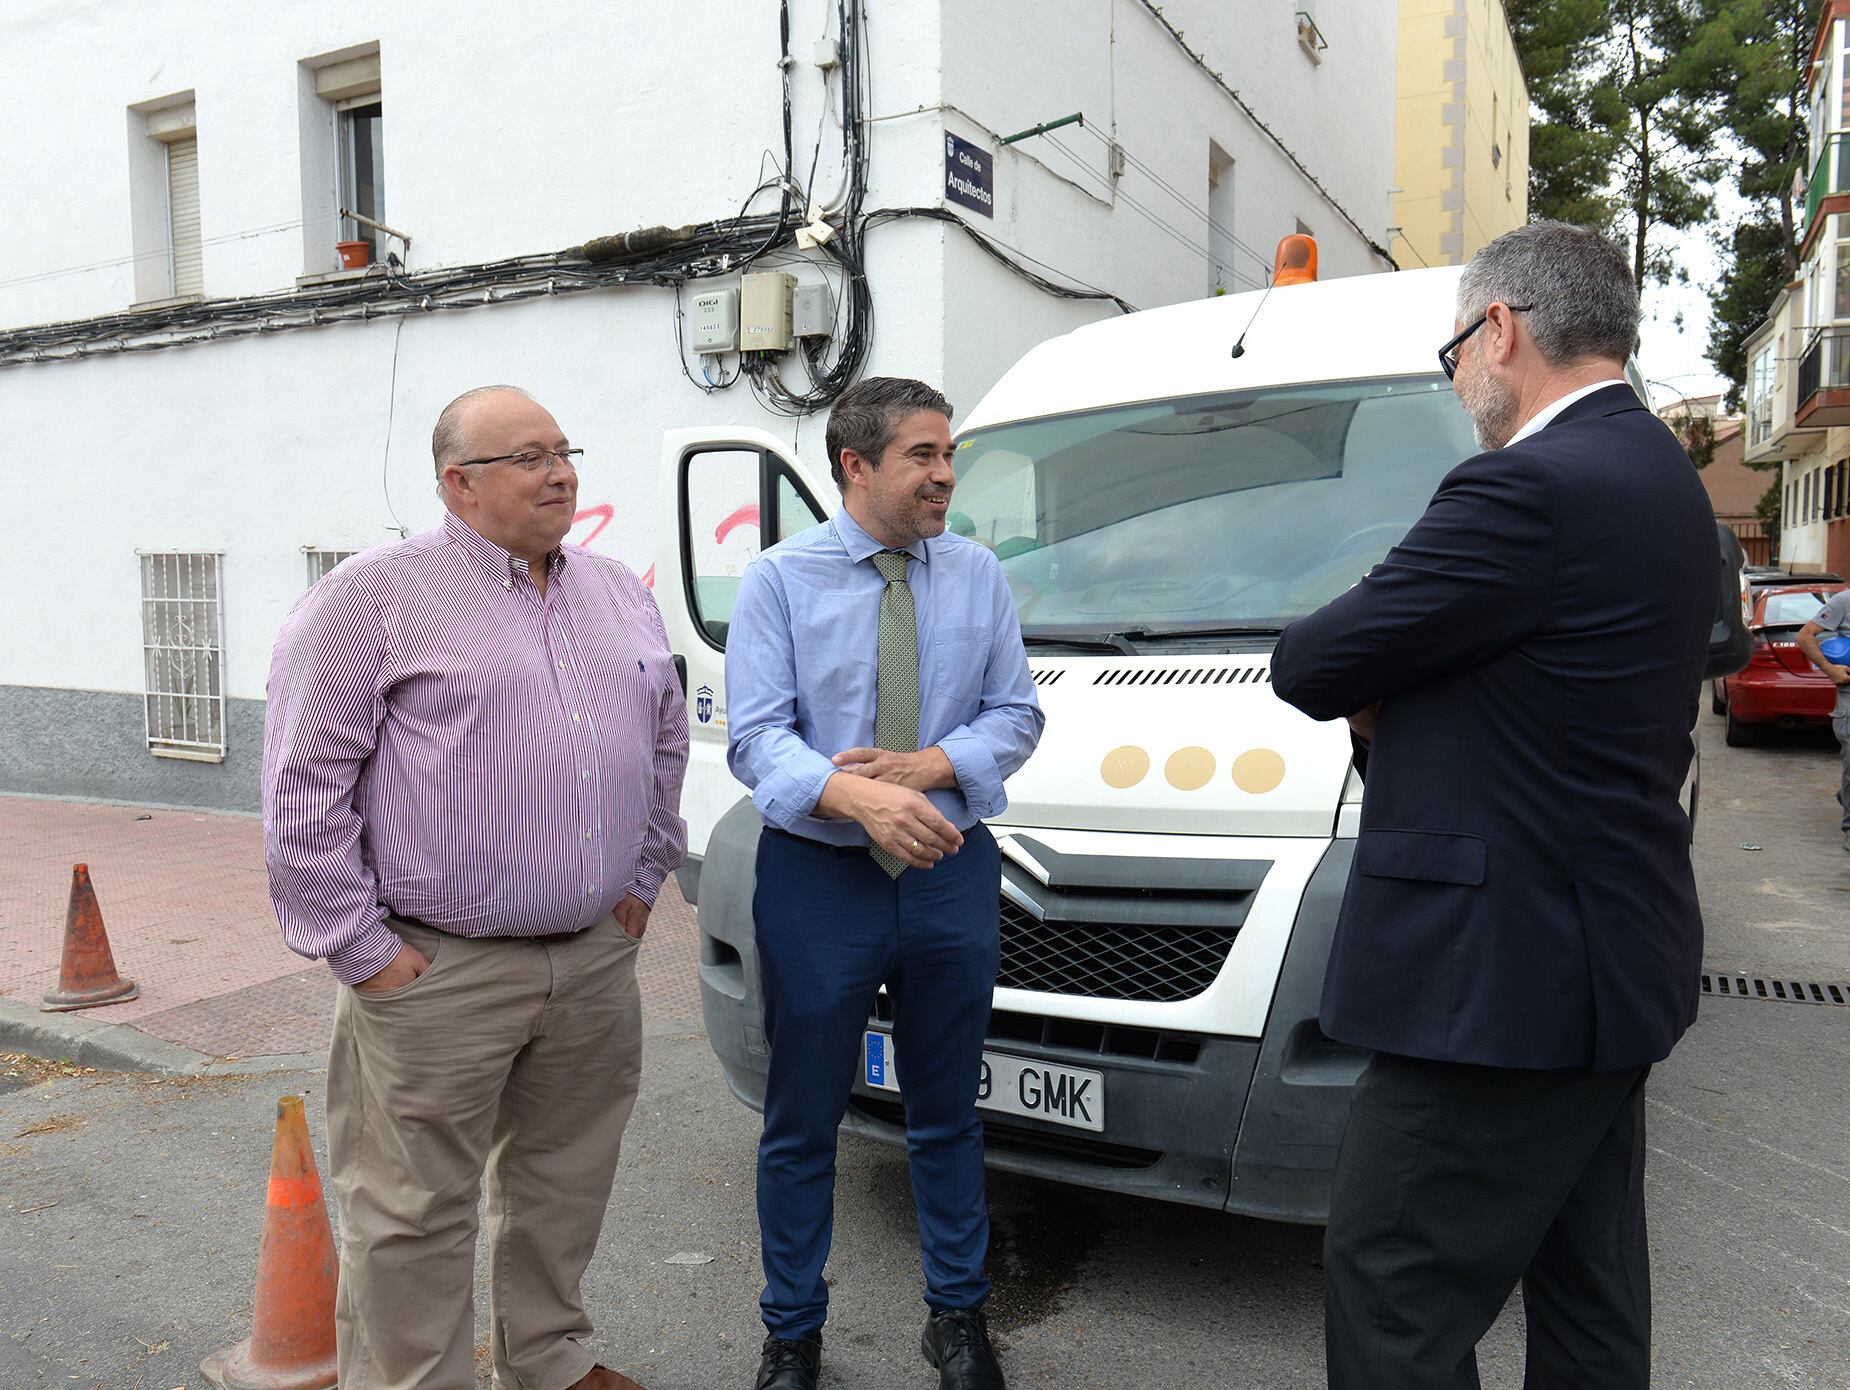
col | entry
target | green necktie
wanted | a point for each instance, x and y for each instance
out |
(896, 689)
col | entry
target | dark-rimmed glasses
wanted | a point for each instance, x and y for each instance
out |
(532, 460)
(1448, 355)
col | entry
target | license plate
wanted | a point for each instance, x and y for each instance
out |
(1011, 1085)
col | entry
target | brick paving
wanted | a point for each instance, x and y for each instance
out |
(189, 919)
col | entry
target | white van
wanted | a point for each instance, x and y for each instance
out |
(1175, 853)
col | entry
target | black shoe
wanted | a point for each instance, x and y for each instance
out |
(956, 1341)
(791, 1365)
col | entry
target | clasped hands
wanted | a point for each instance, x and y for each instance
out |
(885, 792)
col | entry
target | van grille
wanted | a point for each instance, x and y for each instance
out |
(1185, 675)
(1159, 964)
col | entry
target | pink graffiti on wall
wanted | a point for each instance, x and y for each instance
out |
(603, 513)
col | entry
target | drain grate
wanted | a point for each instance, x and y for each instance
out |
(1774, 990)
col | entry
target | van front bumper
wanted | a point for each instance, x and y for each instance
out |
(1246, 1125)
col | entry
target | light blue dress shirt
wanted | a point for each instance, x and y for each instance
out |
(801, 669)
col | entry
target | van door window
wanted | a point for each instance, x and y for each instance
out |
(720, 499)
(795, 511)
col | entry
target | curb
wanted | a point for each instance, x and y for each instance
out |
(92, 1042)
(86, 1041)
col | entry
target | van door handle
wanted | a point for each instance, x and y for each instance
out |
(680, 670)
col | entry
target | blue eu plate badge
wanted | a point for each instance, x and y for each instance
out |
(877, 1066)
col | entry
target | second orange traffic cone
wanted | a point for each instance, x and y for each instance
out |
(87, 973)
(291, 1346)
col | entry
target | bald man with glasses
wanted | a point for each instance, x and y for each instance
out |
(473, 755)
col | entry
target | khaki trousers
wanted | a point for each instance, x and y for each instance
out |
(521, 1056)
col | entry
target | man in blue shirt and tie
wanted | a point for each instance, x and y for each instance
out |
(879, 696)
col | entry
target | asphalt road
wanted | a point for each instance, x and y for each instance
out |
(130, 1207)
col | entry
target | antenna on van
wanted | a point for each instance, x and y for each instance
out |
(1294, 263)
(1239, 346)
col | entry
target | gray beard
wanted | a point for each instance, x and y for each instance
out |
(1492, 410)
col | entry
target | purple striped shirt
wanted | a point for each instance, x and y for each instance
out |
(443, 744)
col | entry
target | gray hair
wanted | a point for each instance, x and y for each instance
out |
(447, 442)
(1579, 282)
(867, 416)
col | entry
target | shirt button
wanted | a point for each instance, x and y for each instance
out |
(587, 834)
(561, 665)
(585, 775)
(577, 718)
(589, 891)
(507, 583)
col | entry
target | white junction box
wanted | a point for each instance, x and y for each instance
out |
(813, 312)
(713, 321)
(764, 310)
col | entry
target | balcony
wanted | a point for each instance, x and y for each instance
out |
(1831, 174)
(1823, 393)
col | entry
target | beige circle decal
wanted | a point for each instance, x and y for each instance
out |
(1258, 770)
(1189, 768)
(1125, 767)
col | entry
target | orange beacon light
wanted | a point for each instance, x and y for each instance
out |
(1295, 262)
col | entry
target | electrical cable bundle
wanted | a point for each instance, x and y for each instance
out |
(669, 257)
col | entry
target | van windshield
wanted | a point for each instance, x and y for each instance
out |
(1179, 517)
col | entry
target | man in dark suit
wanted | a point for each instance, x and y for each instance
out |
(1520, 940)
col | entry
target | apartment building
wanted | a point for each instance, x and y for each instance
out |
(266, 243)
(1461, 131)
(1798, 386)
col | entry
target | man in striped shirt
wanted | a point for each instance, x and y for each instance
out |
(473, 756)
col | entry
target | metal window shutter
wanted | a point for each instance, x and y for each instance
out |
(183, 215)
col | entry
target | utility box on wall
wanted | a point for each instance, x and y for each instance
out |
(713, 321)
(765, 303)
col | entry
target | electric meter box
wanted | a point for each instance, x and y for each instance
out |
(765, 301)
(813, 315)
(713, 321)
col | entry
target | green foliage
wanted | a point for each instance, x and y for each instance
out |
(1571, 146)
(1759, 81)
(1755, 260)
(1769, 508)
(1626, 94)
(1696, 433)
(1642, 107)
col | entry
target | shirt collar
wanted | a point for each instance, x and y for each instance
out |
(860, 545)
(1546, 415)
(501, 563)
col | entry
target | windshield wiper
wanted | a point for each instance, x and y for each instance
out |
(1082, 641)
(1159, 634)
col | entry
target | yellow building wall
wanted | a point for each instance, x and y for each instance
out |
(1461, 141)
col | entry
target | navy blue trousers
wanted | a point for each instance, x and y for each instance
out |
(832, 928)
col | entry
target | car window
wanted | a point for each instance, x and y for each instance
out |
(1791, 610)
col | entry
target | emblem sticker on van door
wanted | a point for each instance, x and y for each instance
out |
(1027, 1086)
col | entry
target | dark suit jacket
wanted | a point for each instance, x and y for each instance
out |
(1522, 893)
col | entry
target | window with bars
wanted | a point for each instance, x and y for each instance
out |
(183, 653)
(321, 561)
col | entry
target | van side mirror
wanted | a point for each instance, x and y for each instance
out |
(1729, 643)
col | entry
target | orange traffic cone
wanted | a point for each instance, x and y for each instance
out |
(291, 1346)
(87, 975)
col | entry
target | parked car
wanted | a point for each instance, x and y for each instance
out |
(1755, 581)
(1779, 685)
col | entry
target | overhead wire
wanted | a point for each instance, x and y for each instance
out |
(1201, 62)
(1112, 145)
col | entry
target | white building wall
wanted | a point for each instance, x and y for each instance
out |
(509, 139)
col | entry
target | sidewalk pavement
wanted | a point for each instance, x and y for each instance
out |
(188, 913)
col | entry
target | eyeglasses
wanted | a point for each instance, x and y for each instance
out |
(1448, 355)
(532, 460)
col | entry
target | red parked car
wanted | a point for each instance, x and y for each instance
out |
(1779, 685)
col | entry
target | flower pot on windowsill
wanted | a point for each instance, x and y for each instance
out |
(354, 255)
